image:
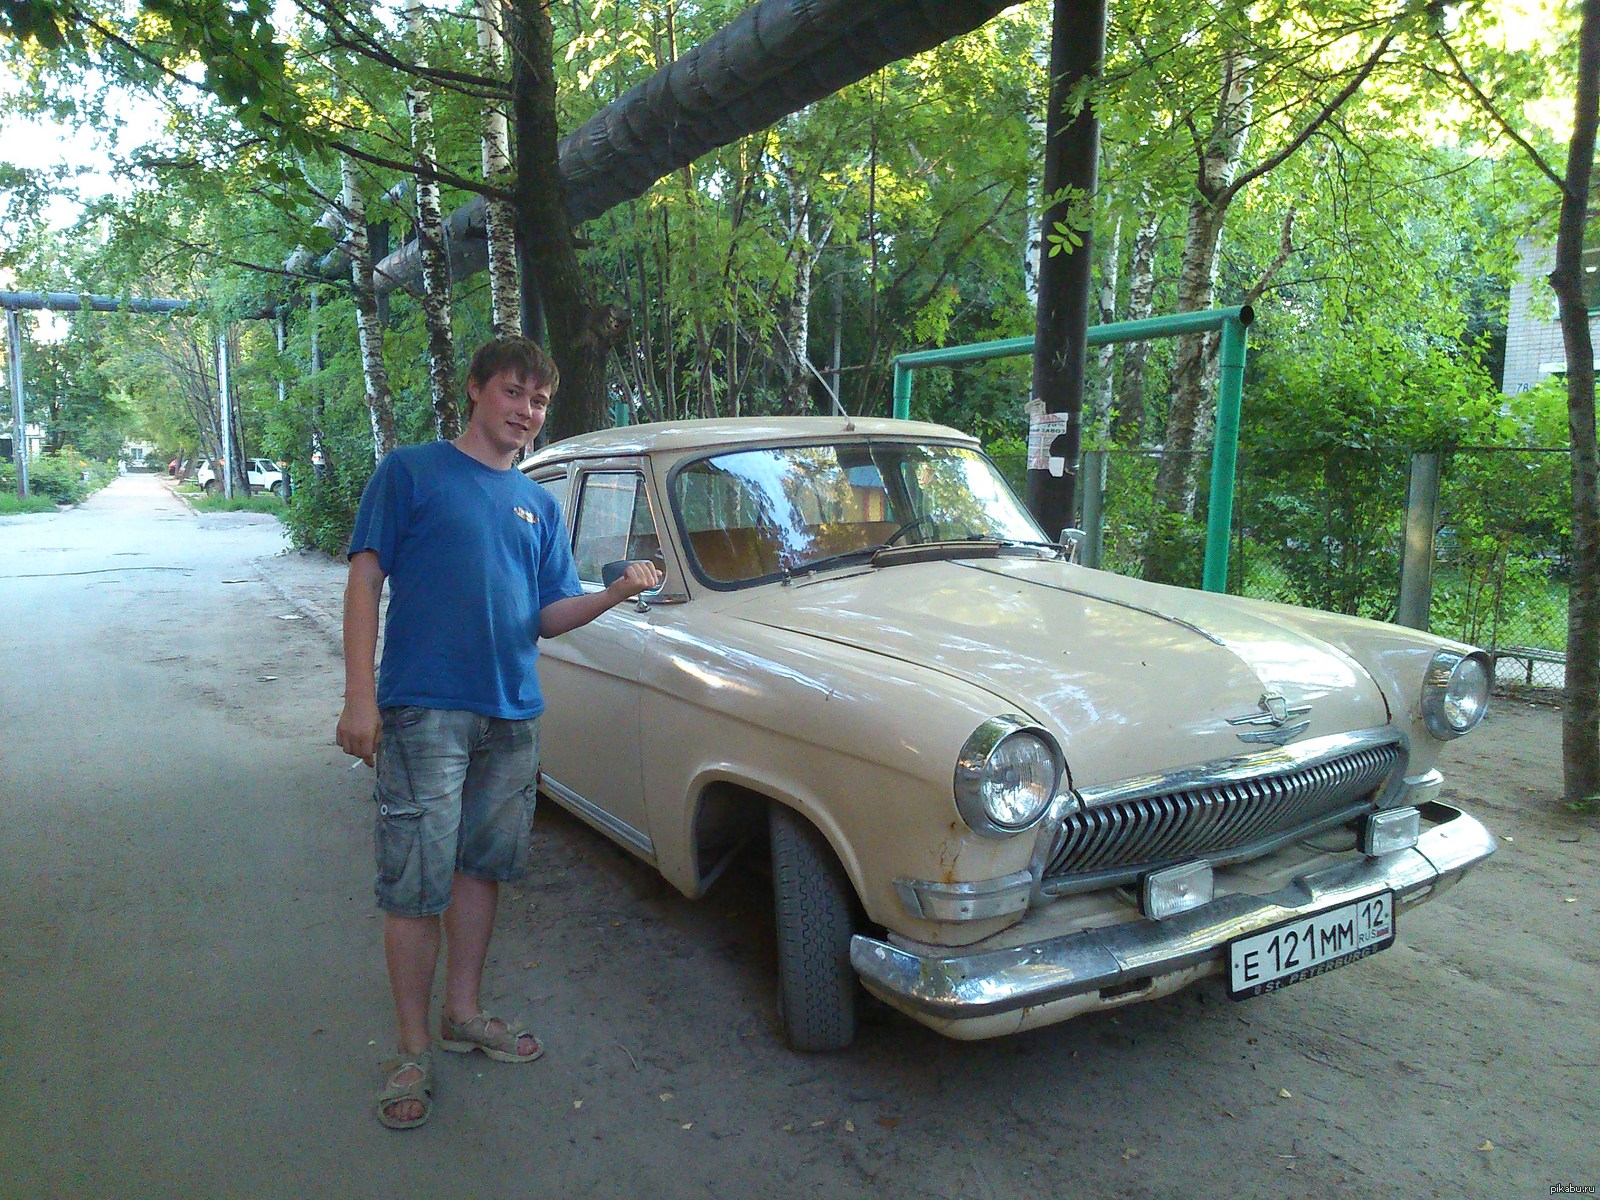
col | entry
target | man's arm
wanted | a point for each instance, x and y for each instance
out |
(359, 723)
(563, 616)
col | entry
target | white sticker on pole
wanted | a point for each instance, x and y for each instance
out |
(1043, 429)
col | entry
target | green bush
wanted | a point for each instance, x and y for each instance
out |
(67, 477)
(322, 513)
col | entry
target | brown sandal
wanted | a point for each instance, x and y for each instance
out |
(466, 1036)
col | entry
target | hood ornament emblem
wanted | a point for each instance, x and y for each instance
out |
(1275, 712)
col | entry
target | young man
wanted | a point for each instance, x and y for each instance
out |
(479, 568)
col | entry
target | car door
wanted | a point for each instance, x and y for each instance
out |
(589, 734)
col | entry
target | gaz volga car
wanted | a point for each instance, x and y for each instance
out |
(999, 789)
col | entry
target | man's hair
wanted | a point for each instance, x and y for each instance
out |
(524, 359)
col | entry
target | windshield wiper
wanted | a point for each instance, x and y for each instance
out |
(1054, 547)
(829, 560)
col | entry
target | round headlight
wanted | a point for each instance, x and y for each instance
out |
(1455, 693)
(1006, 777)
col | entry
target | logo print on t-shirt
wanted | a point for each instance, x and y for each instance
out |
(526, 515)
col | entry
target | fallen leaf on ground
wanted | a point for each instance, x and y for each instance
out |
(888, 1122)
(665, 1096)
(577, 1104)
(1487, 1145)
(1284, 1094)
(1129, 1154)
(849, 1126)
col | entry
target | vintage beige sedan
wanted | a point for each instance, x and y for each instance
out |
(999, 789)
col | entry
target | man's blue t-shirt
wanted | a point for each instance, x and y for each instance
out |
(472, 554)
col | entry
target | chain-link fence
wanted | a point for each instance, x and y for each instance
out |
(1326, 530)
(1502, 559)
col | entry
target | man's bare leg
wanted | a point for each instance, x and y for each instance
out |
(468, 925)
(411, 950)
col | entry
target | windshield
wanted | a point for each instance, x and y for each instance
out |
(759, 513)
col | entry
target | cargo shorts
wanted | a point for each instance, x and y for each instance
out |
(456, 792)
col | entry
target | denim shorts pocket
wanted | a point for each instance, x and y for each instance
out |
(396, 833)
(403, 716)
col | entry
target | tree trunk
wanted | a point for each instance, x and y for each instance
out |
(1106, 358)
(1580, 717)
(505, 302)
(581, 333)
(369, 330)
(1175, 481)
(430, 241)
(1128, 420)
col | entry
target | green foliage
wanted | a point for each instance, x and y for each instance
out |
(66, 477)
(263, 502)
(13, 505)
(321, 513)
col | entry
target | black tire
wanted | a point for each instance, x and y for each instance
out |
(815, 910)
(277, 489)
(212, 487)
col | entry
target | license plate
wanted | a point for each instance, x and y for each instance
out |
(1303, 947)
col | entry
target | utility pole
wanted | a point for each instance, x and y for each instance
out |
(19, 414)
(1061, 321)
(227, 413)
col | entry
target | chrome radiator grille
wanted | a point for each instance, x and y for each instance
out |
(1225, 821)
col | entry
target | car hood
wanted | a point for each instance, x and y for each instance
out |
(1132, 677)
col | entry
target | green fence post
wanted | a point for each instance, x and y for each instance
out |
(1225, 453)
(902, 391)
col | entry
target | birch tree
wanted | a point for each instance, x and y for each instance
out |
(430, 240)
(505, 301)
(369, 330)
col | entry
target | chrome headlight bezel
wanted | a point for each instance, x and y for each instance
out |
(1455, 692)
(973, 773)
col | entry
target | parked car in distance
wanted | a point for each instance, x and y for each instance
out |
(999, 789)
(263, 474)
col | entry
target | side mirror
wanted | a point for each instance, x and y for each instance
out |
(1071, 541)
(612, 572)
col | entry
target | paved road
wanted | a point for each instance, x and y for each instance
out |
(192, 1000)
(191, 979)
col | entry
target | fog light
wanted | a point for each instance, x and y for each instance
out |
(1167, 893)
(1386, 832)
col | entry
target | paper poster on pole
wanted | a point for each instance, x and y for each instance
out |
(1043, 429)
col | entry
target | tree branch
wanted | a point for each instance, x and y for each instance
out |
(1488, 106)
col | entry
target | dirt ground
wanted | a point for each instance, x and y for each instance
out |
(213, 1030)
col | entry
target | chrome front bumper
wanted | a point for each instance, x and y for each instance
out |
(991, 992)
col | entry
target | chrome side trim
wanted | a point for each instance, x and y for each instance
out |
(990, 982)
(974, 901)
(589, 814)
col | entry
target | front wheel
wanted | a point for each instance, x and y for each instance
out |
(212, 487)
(277, 489)
(815, 909)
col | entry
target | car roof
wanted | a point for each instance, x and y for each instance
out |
(731, 432)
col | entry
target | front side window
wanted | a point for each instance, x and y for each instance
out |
(614, 523)
(757, 513)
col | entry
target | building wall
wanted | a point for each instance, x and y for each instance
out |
(1533, 335)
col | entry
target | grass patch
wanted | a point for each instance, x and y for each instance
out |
(11, 506)
(266, 502)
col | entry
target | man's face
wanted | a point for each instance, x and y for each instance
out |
(508, 410)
